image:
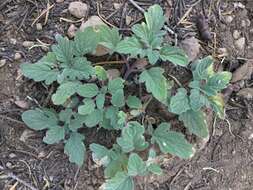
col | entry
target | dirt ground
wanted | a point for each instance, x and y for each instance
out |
(226, 161)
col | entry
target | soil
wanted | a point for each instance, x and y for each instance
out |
(225, 162)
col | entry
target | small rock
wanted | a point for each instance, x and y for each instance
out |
(191, 47)
(246, 93)
(117, 5)
(112, 74)
(223, 52)
(92, 21)
(229, 19)
(22, 104)
(13, 41)
(240, 43)
(17, 56)
(39, 26)
(236, 34)
(239, 5)
(2, 62)
(28, 44)
(72, 31)
(9, 165)
(128, 20)
(59, 1)
(78, 9)
(12, 155)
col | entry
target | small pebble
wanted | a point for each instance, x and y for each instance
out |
(28, 44)
(39, 26)
(128, 20)
(17, 56)
(117, 5)
(2, 62)
(236, 34)
(12, 155)
(72, 31)
(13, 41)
(223, 52)
(22, 104)
(92, 21)
(9, 165)
(240, 43)
(59, 1)
(78, 9)
(229, 19)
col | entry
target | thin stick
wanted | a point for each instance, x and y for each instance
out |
(42, 13)
(110, 62)
(11, 119)
(175, 79)
(98, 11)
(11, 175)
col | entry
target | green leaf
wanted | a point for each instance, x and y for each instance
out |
(118, 98)
(87, 108)
(219, 81)
(133, 102)
(75, 149)
(65, 115)
(85, 41)
(64, 91)
(155, 169)
(197, 100)
(121, 181)
(54, 135)
(180, 102)
(63, 50)
(94, 118)
(132, 137)
(100, 73)
(155, 83)
(115, 84)
(39, 120)
(100, 154)
(135, 166)
(172, 142)
(79, 70)
(218, 105)
(203, 68)
(174, 55)
(100, 101)
(196, 123)
(76, 122)
(111, 113)
(153, 56)
(109, 37)
(87, 90)
(122, 117)
(130, 45)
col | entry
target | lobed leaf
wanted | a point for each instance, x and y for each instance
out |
(180, 102)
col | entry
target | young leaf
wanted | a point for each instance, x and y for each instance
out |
(115, 84)
(155, 169)
(39, 72)
(87, 90)
(100, 73)
(85, 41)
(219, 81)
(172, 142)
(121, 181)
(63, 50)
(87, 108)
(94, 118)
(100, 154)
(122, 117)
(136, 165)
(197, 100)
(132, 137)
(64, 92)
(154, 18)
(65, 115)
(203, 68)
(155, 83)
(118, 98)
(174, 55)
(76, 122)
(109, 37)
(180, 102)
(217, 103)
(54, 135)
(75, 148)
(153, 56)
(196, 123)
(111, 113)
(133, 102)
(100, 101)
(38, 119)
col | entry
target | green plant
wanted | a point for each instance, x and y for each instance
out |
(86, 98)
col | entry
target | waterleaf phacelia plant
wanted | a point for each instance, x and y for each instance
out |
(86, 98)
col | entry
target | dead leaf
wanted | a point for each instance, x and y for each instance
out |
(22, 104)
(140, 64)
(26, 134)
(113, 73)
(244, 72)
(246, 93)
(191, 47)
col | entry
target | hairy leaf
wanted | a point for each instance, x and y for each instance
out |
(197, 100)
(118, 98)
(100, 73)
(87, 108)
(174, 55)
(94, 118)
(54, 135)
(133, 102)
(196, 122)
(136, 165)
(100, 101)
(155, 169)
(218, 104)
(115, 84)
(130, 46)
(180, 102)
(155, 83)
(75, 148)
(87, 90)
(172, 142)
(203, 68)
